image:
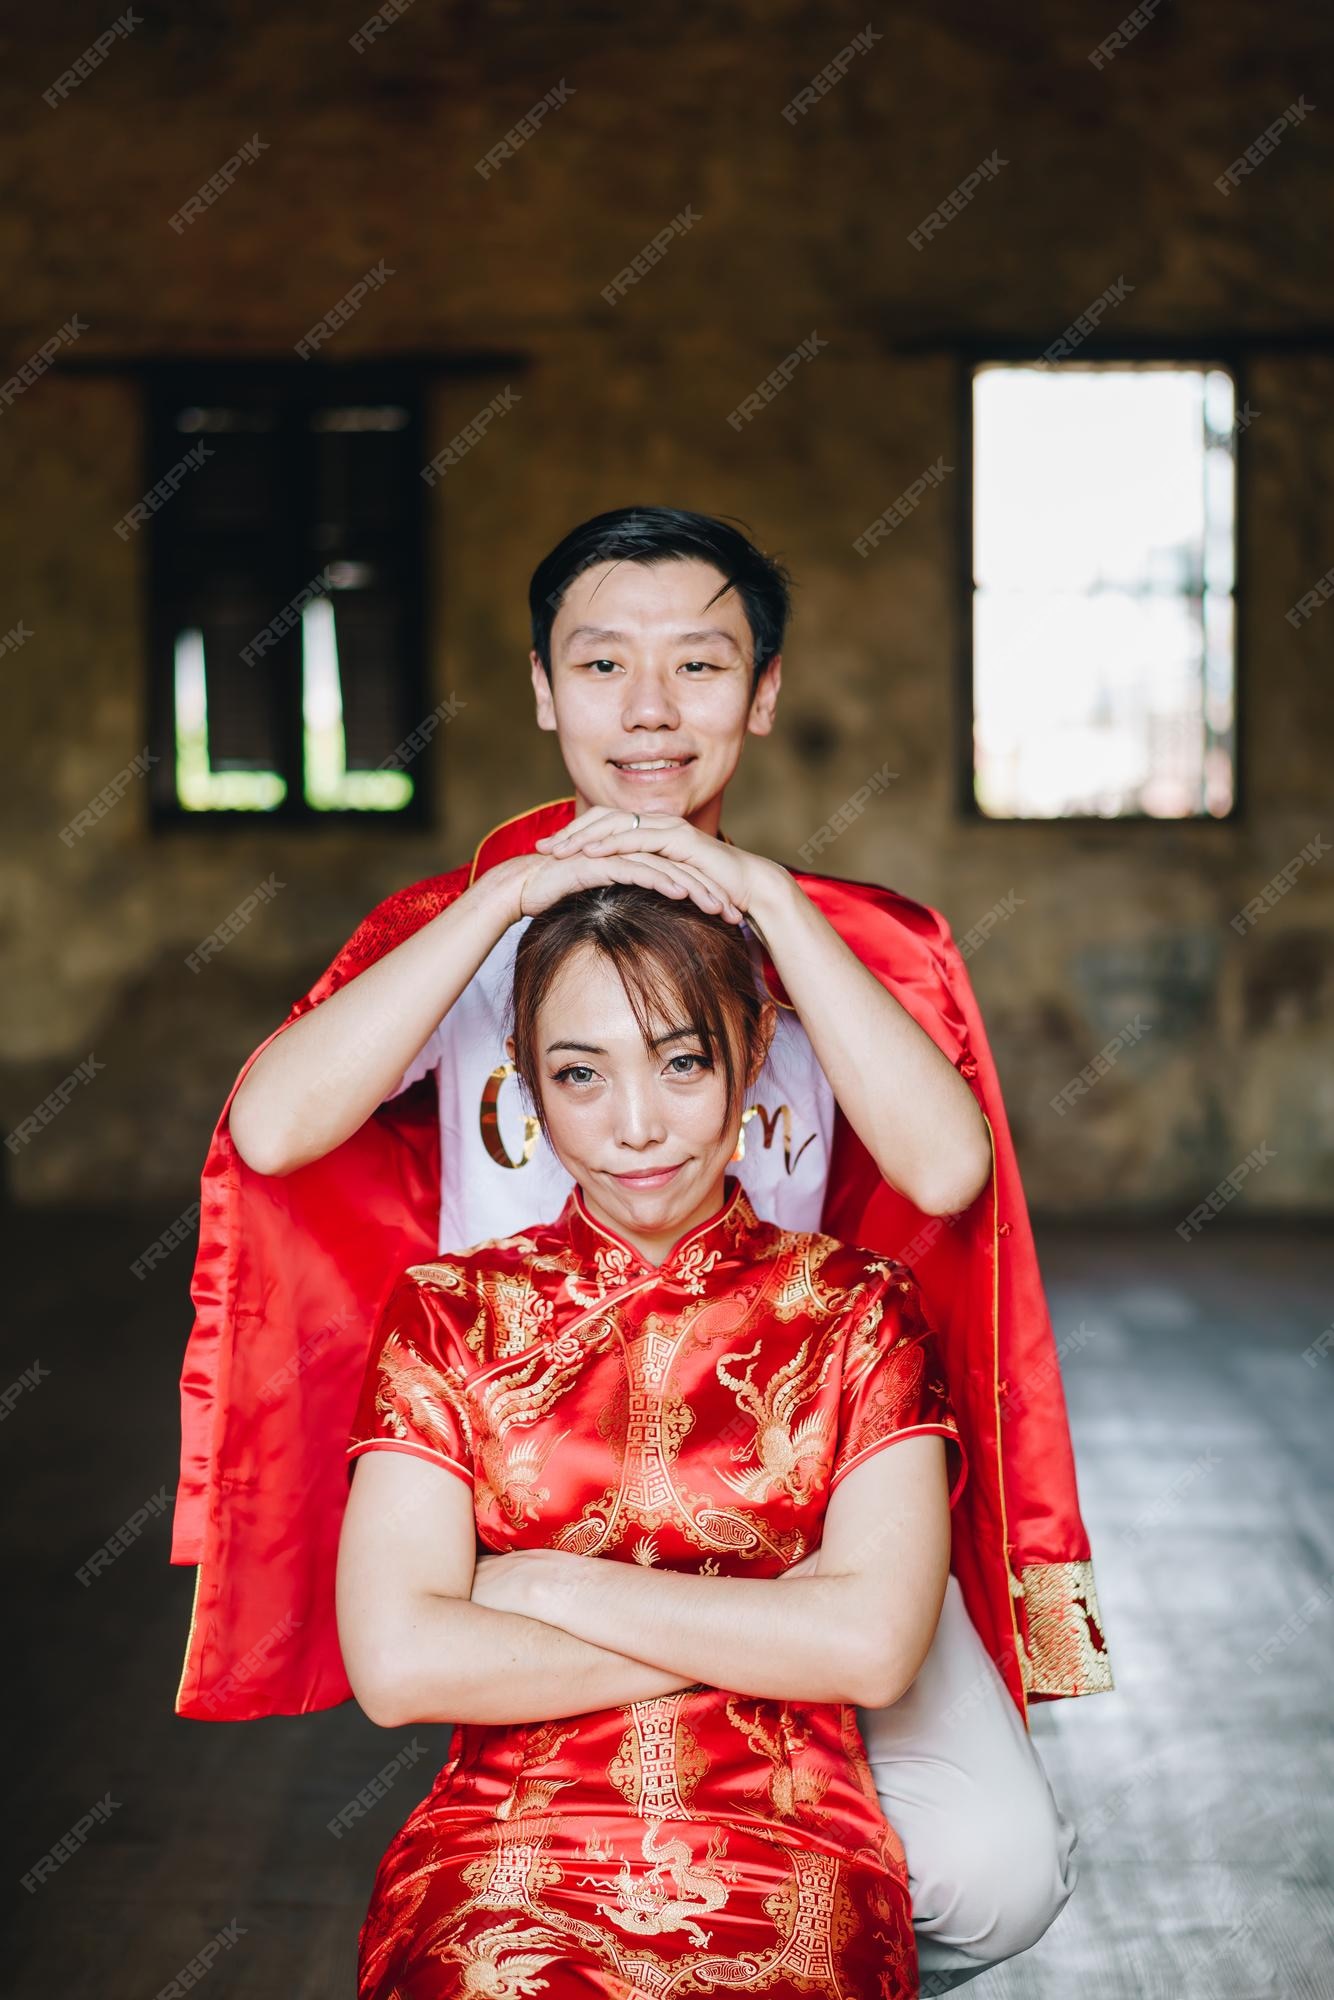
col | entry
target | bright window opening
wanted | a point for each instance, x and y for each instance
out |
(1104, 571)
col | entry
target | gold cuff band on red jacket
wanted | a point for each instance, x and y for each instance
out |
(1063, 1651)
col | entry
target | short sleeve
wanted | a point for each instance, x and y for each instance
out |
(893, 1382)
(413, 1397)
(425, 1060)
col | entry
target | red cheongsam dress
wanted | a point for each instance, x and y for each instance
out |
(694, 1416)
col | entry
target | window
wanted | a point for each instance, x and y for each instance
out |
(1102, 661)
(287, 574)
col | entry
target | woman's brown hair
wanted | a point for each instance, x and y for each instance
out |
(676, 962)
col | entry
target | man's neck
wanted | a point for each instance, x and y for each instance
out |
(705, 819)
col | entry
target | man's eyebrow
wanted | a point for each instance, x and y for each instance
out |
(605, 632)
(595, 632)
(712, 632)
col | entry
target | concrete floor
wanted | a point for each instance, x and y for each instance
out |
(1203, 1787)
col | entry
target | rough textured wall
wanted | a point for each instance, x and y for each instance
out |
(803, 226)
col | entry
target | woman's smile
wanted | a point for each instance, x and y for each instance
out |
(648, 1177)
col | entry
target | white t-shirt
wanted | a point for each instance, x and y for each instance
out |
(502, 1174)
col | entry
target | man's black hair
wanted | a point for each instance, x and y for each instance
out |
(666, 534)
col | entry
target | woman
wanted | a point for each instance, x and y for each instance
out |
(665, 1420)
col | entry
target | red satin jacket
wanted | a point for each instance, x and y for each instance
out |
(291, 1272)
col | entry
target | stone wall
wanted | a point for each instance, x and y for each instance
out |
(803, 223)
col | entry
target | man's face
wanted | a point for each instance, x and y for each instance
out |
(650, 691)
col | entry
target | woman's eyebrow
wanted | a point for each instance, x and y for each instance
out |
(592, 1049)
(674, 1036)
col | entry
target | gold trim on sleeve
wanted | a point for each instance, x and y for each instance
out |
(1065, 1654)
(189, 1639)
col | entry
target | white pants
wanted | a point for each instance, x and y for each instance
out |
(990, 1855)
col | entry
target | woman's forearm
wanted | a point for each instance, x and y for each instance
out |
(910, 1107)
(462, 1662)
(319, 1080)
(783, 1639)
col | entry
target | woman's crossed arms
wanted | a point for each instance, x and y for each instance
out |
(431, 1632)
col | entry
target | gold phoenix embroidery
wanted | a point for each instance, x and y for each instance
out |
(789, 1460)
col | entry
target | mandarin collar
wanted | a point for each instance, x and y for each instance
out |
(734, 1219)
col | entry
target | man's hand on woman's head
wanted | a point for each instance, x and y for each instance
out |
(609, 831)
(542, 879)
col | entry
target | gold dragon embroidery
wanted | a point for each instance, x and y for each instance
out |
(645, 1907)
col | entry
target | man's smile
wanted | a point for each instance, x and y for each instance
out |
(637, 767)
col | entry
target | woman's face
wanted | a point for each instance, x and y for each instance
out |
(637, 1128)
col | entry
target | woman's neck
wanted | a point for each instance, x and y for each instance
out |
(657, 1245)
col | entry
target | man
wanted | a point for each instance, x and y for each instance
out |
(657, 649)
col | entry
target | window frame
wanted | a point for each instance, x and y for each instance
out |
(296, 386)
(969, 357)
